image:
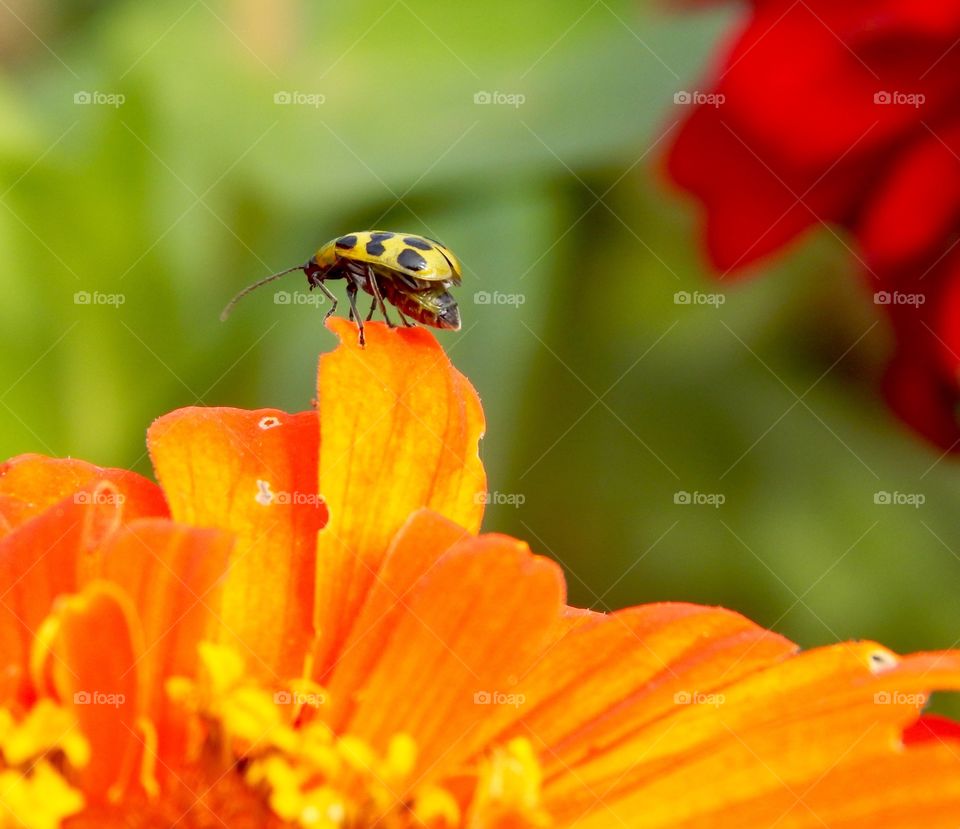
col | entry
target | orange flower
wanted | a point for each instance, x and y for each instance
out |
(234, 650)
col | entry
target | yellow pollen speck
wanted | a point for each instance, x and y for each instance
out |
(401, 756)
(40, 800)
(222, 667)
(46, 728)
(436, 807)
(508, 788)
(33, 792)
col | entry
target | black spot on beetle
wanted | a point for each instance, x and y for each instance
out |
(417, 242)
(411, 260)
(375, 248)
(346, 242)
(381, 236)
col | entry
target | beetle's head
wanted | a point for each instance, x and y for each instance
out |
(314, 272)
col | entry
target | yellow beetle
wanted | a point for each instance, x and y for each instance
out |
(410, 272)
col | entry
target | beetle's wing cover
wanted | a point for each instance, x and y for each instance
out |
(412, 255)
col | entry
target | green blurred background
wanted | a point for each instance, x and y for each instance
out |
(170, 152)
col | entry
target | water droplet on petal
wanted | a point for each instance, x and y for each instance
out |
(883, 660)
(264, 493)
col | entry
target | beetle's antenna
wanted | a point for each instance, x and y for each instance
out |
(226, 311)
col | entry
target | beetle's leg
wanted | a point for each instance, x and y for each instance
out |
(350, 274)
(406, 322)
(354, 314)
(328, 294)
(375, 290)
(373, 307)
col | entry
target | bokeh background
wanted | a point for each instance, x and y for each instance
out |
(155, 157)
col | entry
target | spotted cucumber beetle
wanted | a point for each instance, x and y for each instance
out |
(410, 272)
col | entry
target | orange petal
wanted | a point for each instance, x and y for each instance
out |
(39, 561)
(254, 473)
(93, 660)
(919, 788)
(416, 548)
(29, 484)
(749, 736)
(463, 634)
(604, 674)
(172, 573)
(399, 431)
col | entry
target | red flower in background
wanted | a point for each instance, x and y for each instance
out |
(846, 114)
